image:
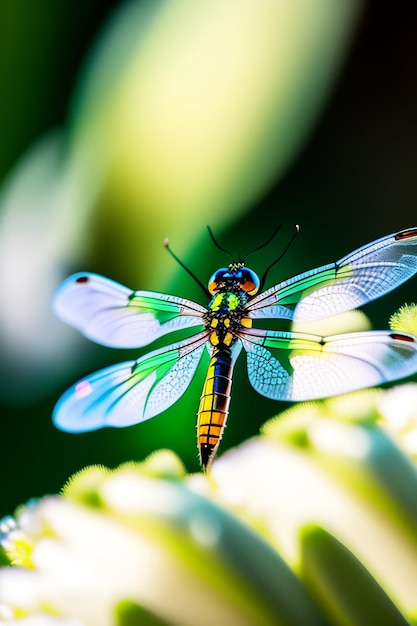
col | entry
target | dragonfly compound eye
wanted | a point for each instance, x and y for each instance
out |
(217, 279)
(249, 281)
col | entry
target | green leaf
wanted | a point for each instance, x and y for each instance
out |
(129, 613)
(347, 592)
(4, 560)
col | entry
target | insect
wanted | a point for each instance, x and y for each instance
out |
(282, 365)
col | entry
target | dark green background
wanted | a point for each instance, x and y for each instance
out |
(354, 182)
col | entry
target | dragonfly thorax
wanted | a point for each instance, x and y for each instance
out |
(225, 317)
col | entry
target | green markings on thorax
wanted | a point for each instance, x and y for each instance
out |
(225, 301)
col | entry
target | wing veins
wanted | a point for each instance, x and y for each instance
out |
(184, 348)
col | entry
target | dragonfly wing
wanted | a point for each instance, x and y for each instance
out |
(116, 316)
(130, 392)
(362, 276)
(307, 367)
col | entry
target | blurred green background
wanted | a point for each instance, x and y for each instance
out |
(129, 122)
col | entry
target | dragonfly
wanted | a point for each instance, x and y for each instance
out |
(281, 364)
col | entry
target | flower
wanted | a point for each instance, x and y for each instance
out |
(286, 529)
(398, 411)
(137, 541)
(327, 487)
(405, 319)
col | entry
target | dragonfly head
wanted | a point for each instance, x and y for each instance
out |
(232, 277)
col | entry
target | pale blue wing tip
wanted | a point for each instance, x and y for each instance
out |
(63, 288)
(70, 280)
(87, 405)
(69, 423)
(98, 282)
(68, 417)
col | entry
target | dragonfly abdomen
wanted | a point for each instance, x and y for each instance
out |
(214, 403)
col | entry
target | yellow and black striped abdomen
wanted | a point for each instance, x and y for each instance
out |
(214, 403)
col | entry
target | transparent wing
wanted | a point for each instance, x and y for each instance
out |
(130, 392)
(307, 367)
(116, 316)
(366, 274)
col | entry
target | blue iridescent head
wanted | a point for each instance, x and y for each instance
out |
(236, 275)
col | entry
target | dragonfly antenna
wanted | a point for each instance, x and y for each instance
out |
(263, 245)
(287, 247)
(216, 243)
(187, 269)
